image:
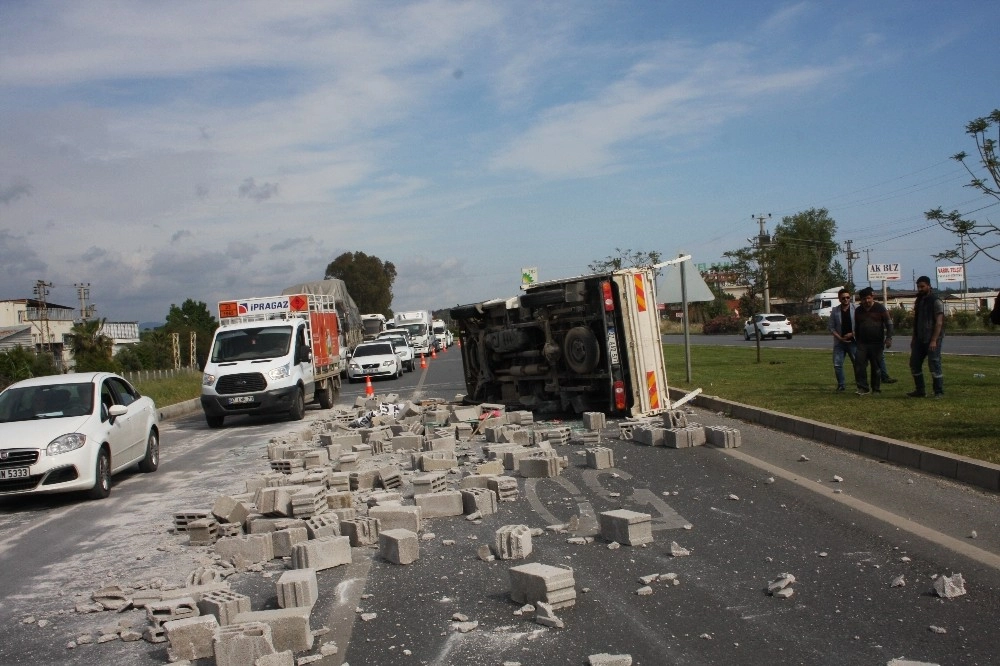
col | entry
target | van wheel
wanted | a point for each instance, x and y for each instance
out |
(581, 350)
(102, 484)
(325, 395)
(298, 409)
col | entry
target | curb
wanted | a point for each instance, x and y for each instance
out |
(179, 409)
(949, 465)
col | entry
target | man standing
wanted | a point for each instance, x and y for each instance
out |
(873, 334)
(928, 330)
(841, 326)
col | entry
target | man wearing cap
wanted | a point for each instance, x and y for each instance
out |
(873, 334)
(928, 330)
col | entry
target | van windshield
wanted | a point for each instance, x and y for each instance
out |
(251, 344)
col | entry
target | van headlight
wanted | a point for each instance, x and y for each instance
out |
(207, 379)
(65, 443)
(280, 373)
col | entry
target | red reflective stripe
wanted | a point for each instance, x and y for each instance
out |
(640, 292)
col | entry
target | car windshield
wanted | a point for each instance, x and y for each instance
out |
(53, 401)
(372, 326)
(373, 350)
(415, 329)
(396, 340)
(251, 344)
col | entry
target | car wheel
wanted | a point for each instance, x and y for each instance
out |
(325, 395)
(788, 336)
(581, 350)
(760, 336)
(152, 459)
(102, 470)
(298, 409)
(214, 421)
(746, 336)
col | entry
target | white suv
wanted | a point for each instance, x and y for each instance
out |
(768, 326)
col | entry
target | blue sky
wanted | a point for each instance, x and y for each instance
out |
(165, 151)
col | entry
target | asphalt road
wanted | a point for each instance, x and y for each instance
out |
(978, 345)
(746, 516)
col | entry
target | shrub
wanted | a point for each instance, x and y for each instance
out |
(726, 324)
(901, 319)
(808, 323)
(963, 319)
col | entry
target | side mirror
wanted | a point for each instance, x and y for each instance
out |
(117, 410)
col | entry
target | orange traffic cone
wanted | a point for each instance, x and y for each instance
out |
(458, 341)
(434, 353)
(423, 362)
(369, 389)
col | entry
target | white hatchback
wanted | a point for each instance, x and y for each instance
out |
(374, 359)
(72, 432)
(768, 326)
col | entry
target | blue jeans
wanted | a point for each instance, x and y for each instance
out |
(840, 350)
(920, 351)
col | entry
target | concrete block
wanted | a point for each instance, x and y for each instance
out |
(203, 532)
(360, 531)
(363, 479)
(505, 487)
(284, 540)
(339, 499)
(534, 582)
(394, 517)
(242, 644)
(541, 465)
(224, 605)
(165, 610)
(512, 542)
(594, 420)
(491, 468)
(309, 501)
(191, 638)
(626, 527)
(322, 553)
(600, 457)
(275, 501)
(439, 505)
(649, 436)
(297, 588)
(289, 627)
(183, 518)
(432, 482)
(255, 548)
(481, 500)
(399, 546)
(435, 461)
(325, 524)
(229, 510)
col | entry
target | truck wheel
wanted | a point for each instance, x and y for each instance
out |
(581, 350)
(324, 396)
(298, 409)
(214, 421)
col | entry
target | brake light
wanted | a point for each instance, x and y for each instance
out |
(619, 391)
(609, 301)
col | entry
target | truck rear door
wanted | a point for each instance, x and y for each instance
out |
(641, 334)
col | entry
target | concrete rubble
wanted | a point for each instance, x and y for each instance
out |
(370, 477)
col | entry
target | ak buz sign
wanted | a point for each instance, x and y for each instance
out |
(883, 272)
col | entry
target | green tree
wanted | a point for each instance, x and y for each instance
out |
(625, 259)
(191, 317)
(20, 363)
(983, 236)
(368, 279)
(801, 256)
(91, 348)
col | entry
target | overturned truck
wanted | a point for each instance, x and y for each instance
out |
(588, 343)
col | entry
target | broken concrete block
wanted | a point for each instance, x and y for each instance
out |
(230, 510)
(325, 524)
(111, 597)
(297, 588)
(505, 488)
(274, 501)
(339, 499)
(182, 519)
(360, 530)
(159, 612)
(191, 638)
(322, 553)
(399, 546)
(289, 627)
(436, 461)
(534, 582)
(513, 542)
(254, 548)
(949, 587)
(481, 500)
(782, 582)
(600, 457)
(242, 644)
(439, 505)
(394, 517)
(491, 468)
(225, 605)
(627, 527)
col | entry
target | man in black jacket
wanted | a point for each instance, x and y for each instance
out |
(873, 334)
(928, 331)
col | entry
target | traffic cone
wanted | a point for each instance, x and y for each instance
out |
(369, 389)
(423, 362)
(458, 341)
(434, 353)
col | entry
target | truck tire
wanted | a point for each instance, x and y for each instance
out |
(214, 421)
(297, 412)
(581, 350)
(324, 396)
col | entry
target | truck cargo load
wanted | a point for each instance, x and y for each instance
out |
(588, 343)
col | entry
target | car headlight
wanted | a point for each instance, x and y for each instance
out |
(207, 379)
(65, 443)
(388, 363)
(353, 366)
(279, 373)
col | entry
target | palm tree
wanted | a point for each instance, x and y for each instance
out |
(91, 349)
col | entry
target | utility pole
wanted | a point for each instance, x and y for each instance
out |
(851, 256)
(763, 244)
(965, 279)
(868, 262)
(41, 291)
(83, 293)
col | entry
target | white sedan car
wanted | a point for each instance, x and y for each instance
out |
(767, 326)
(72, 432)
(374, 359)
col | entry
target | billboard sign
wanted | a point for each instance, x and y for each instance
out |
(883, 272)
(950, 273)
(529, 276)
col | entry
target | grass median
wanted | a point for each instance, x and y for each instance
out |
(800, 382)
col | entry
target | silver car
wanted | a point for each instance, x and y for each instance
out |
(73, 432)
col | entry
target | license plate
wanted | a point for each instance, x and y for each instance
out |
(241, 400)
(612, 346)
(14, 473)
